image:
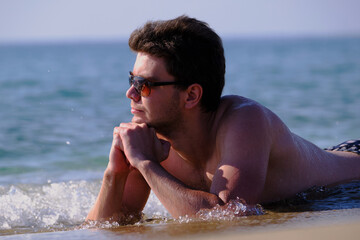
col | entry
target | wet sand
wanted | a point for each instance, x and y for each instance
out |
(333, 224)
(346, 231)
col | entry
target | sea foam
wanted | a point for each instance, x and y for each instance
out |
(53, 205)
(56, 206)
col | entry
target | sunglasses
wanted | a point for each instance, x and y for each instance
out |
(143, 86)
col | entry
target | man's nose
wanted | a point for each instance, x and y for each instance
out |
(133, 94)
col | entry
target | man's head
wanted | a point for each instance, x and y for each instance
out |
(192, 51)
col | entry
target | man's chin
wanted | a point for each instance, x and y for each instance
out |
(140, 120)
(137, 120)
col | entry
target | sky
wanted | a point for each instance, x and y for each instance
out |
(76, 20)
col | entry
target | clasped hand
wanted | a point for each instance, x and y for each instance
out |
(134, 143)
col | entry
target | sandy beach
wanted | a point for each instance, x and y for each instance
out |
(349, 230)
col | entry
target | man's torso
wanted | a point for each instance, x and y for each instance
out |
(294, 164)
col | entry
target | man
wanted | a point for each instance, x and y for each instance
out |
(195, 149)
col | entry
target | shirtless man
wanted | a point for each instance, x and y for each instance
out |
(195, 149)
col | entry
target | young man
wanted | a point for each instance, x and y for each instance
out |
(195, 149)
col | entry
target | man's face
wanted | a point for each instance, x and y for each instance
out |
(161, 109)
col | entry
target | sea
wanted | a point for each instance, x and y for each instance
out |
(59, 103)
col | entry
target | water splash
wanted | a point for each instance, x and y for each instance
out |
(46, 207)
(233, 209)
(58, 206)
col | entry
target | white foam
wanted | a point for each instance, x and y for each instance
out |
(56, 205)
(46, 206)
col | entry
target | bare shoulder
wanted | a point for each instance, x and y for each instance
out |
(238, 113)
(243, 122)
(252, 124)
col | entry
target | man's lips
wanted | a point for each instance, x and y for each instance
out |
(135, 110)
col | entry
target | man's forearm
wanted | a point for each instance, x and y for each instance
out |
(177, 198)
(109, 201)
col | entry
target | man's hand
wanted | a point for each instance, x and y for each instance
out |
(139, 143)
(117, 160)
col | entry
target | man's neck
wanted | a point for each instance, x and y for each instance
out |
(194, 141)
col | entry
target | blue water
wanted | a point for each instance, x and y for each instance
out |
(60, 102)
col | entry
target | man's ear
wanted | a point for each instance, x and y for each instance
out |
(193, 95)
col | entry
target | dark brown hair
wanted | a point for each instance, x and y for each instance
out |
(193, 53)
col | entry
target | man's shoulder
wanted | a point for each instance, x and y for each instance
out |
(240, 116)
(235, 109)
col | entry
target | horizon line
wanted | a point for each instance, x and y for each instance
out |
(121, 39)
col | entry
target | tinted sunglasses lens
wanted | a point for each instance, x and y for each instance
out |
(140, 86)
(145, 90)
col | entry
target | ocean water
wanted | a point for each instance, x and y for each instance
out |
(60, 102)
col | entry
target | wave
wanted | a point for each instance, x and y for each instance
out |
(57, 206)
